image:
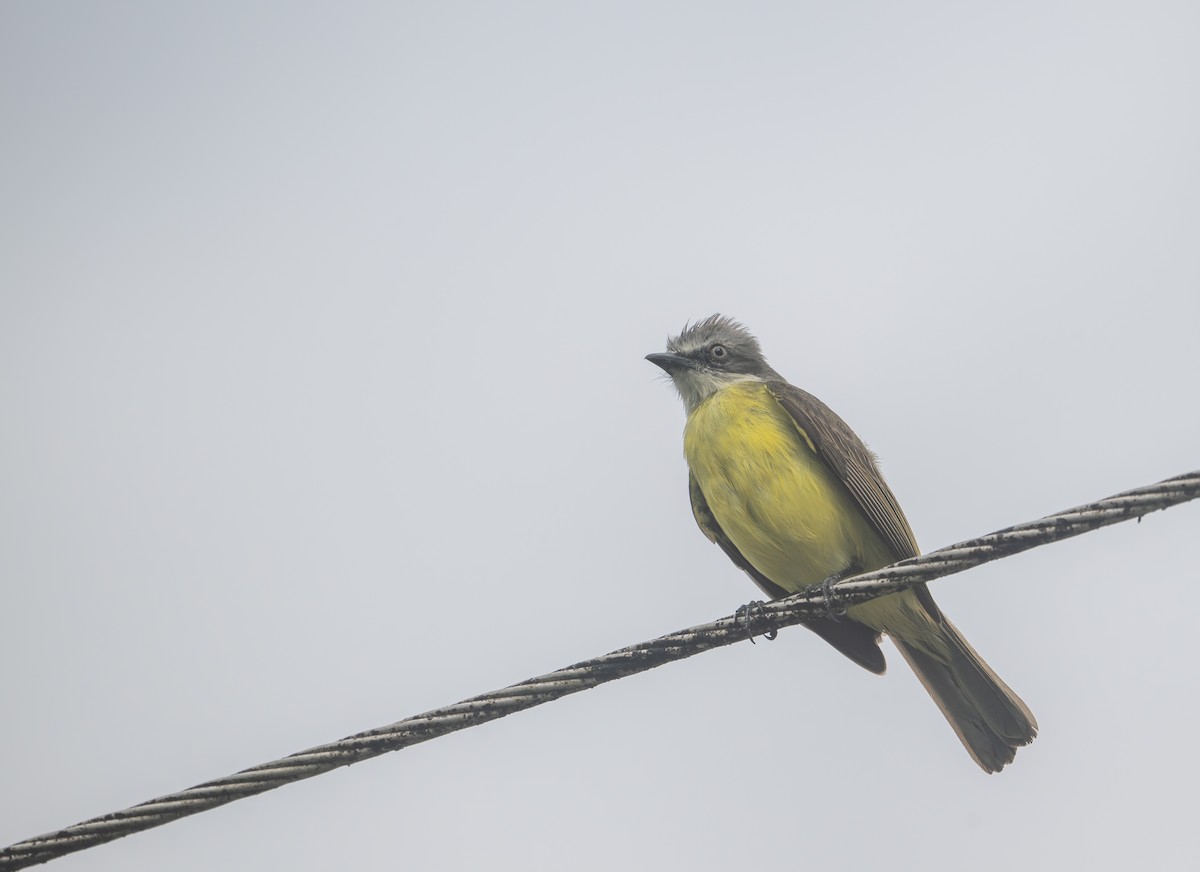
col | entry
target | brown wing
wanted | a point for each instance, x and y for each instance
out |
(857, 641)
(844, 453)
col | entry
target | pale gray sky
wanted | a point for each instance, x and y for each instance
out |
(321, 339)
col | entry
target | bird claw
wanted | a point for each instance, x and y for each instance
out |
(746, 615)
(831, 595)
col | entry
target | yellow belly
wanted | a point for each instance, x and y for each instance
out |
(771, 494)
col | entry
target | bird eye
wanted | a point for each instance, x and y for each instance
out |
(718, 352)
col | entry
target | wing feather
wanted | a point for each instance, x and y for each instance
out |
(852, 462)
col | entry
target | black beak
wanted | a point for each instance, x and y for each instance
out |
(671, 362)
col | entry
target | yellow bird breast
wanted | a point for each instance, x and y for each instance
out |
(773, 496)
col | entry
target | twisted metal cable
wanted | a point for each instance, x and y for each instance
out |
(599, 670)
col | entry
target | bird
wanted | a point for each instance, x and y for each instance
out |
(795, 498)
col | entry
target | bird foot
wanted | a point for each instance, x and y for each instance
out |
(748, 614)
(831, 595)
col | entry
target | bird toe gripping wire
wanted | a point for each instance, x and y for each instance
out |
(749, 614)
(831, 594)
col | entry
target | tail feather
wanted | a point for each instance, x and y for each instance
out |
(990, 720)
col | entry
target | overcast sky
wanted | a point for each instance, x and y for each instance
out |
(323, 404)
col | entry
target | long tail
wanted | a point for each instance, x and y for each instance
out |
(990, 720)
